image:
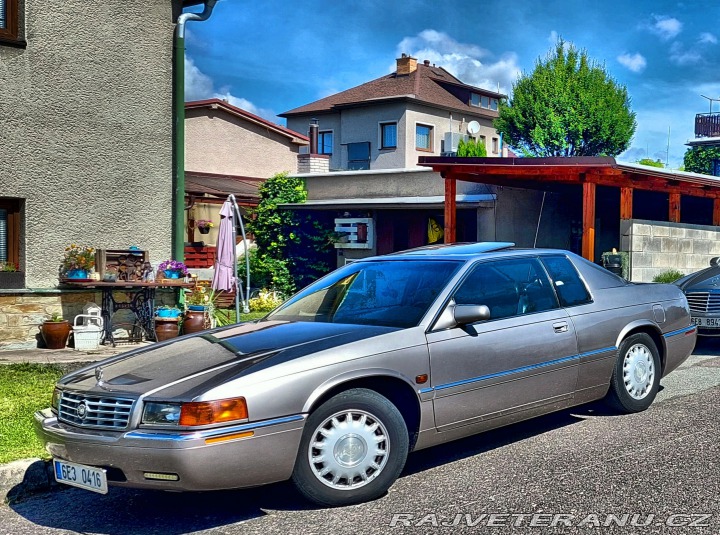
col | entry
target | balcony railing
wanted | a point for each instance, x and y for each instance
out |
(707, 125)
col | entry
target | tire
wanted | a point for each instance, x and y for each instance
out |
(334, 465)
(636, 376)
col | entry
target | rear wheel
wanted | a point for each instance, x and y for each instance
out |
(636, 377)
(353, 448)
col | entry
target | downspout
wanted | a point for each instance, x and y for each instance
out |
(178, 240)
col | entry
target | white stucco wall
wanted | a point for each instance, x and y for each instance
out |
(86, 137)
(218, 142)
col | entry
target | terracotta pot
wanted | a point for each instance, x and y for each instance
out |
(165, 328)
(194, 321)
(55, 333)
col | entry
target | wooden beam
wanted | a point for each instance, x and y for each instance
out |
(626, 203)
(716, 212)
(674, 208)
(588, 236)
(450, 209)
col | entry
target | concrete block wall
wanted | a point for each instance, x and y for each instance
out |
(656, 246)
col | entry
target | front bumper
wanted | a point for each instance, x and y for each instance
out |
(265, 457)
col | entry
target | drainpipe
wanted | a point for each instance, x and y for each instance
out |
(178, 242)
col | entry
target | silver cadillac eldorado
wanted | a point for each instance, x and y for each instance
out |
(384, 356)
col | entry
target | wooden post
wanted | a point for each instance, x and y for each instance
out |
(674, 208)
(588, 236)
(626, 203)
(450, 209)
(716, 212)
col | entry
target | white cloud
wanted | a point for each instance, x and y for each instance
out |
(462, 60)
(680, 56)
(199, 86)
(707, 38)
(635, 62)
(665, 27)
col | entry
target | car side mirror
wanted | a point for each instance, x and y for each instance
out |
(715, 261)
(465, 314)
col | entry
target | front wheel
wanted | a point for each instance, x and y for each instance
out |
(636, 376)
(353, 448)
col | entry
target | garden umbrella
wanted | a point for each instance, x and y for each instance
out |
(224, 277)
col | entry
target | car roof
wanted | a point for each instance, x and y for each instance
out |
(463, 251)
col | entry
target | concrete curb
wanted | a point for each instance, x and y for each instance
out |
(24, 478)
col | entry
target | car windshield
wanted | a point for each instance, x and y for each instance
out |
(386, 293)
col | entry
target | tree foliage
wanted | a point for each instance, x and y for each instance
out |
(568, 106)
(289, 241)
(651, 162)
(471, 149)
(700, 159)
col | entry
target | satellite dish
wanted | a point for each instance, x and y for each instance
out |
(473, 128)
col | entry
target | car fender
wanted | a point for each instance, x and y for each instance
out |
(348, 376)
(640, 323)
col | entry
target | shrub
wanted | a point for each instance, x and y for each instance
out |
(265, 301)
(669, 276)
(267, 272)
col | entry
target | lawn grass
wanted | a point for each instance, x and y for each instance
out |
(24, 388)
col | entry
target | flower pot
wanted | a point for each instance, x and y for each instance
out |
(12, 280)
(197, 308)
(55, 333)
(195, 321)
(204, 230)
(77, 274)
(170, 274)
(168, 312)
(166, 328)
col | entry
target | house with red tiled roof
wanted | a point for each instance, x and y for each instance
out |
(387, 123)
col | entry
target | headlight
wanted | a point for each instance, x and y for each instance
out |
(195, 412)
(161, 413)
(55, 402)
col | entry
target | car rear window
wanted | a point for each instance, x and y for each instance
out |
(569, 286)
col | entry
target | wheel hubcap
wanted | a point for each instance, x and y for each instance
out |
(349, 449)
(638, 371)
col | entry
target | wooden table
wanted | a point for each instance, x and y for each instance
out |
(142, 302)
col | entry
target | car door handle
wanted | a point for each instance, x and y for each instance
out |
(560, 327)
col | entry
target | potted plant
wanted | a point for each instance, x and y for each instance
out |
(10, 276)
(55, 331)
(199, 303)
(77, 262)
(173, 269)
(204, 225)
(167, 322)
(167, 312)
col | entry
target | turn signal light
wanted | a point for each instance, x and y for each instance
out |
(213, 412)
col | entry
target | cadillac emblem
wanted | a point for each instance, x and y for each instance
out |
(81, 411)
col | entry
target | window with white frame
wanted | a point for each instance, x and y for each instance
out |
(388, 135)
(424, 137)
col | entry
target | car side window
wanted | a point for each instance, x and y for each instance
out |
(508, 288)
(569, 286)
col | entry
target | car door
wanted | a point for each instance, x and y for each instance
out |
(521, 358)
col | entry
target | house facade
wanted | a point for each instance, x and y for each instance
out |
(86, 144)
(229, 151)
(387, 123)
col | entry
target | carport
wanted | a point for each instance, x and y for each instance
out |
(587, 173)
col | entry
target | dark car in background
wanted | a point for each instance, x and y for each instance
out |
(702, 290)
(381, 357)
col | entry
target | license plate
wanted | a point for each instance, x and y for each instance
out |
(710, 323)
(78, 475)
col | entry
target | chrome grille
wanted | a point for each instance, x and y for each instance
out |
(98, 411)
(704, 302)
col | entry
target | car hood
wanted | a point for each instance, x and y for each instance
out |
(706, 280)
(209, 359)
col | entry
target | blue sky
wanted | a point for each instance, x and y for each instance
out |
(270, 56)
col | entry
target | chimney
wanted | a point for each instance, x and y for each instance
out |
(313, 135)
(406, 65)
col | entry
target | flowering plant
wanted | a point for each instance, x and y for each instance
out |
(173, 265)
(78, 257)
(8, 266)
(204, 223)
(200, 295)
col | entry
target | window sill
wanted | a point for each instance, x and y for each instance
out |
(387, 149)
(16, 43)
(423, 150)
